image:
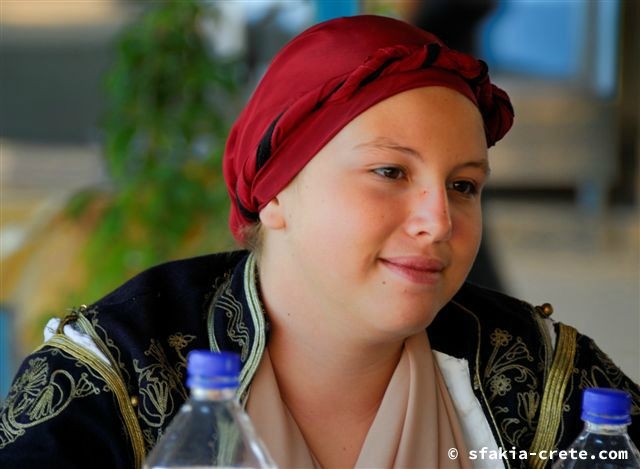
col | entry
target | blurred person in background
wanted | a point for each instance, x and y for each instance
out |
(355, 175)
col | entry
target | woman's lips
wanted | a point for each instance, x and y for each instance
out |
(417, 269)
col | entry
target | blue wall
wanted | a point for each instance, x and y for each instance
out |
(6, 352)
(327, 9)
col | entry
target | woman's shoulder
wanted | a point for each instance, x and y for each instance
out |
(162, 301)
(165, 306)
(174, 278)
(136, 339)
(519, 355)
(485, 316)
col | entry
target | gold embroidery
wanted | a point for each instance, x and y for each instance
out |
(158, 382)
(554, 392)
(608, 375)
(237, 331)
(115, 383)
(114, 374)
(150, 437)
(39, 394)
(503, 362)
(510, 361)
(257, 316)
(87, 320)
(476, 378)
(529, 402)
(218, 288)
(500, 385)
(601, 372)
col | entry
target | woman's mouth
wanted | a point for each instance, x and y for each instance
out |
(417, 269)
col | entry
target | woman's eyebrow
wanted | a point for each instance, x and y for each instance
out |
(384, 143)
(482, 164)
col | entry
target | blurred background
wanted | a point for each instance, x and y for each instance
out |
(113, 117)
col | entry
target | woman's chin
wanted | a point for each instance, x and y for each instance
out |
(401, 323)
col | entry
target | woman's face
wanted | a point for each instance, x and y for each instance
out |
(381, 227)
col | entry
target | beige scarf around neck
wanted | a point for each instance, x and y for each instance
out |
(415, 426)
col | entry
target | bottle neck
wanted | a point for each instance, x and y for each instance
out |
(205, 394)
(605, 428)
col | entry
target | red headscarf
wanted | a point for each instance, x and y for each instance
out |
(322, 80)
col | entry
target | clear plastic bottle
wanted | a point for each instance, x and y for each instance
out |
(604, 441)
(211, 429)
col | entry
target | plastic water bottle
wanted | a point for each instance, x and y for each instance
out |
(211, 429)
(604, 442)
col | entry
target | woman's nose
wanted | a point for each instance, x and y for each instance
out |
(430, 217)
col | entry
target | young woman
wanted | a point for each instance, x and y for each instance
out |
(355, 174)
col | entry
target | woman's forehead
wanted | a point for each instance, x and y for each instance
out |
(413, 117)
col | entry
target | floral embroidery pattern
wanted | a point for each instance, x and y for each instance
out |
(515, 361)
(529, 402)
(161, 387)
(39, 394)
(161, 383)
(509, 362)
(500, 385)
(500, 338)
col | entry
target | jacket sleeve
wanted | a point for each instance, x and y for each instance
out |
(60, 413)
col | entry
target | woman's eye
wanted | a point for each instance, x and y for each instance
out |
(390, 172)
(465, 187)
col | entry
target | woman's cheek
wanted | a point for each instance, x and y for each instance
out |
(467, 229)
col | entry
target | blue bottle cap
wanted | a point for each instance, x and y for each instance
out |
(212, 370)
(606, 406)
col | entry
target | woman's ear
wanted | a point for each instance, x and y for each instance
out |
(272, 215)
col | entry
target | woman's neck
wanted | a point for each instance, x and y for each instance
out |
(310, 351)
(332, 380)
(332, 392)
(312, 367)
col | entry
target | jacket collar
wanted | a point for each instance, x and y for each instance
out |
(237, 322)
